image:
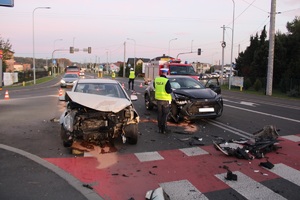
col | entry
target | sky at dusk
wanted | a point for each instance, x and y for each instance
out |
(151, 26)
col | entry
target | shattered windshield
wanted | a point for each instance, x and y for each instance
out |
(182, 70)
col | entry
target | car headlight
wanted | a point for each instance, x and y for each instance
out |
(180, 99)
(63, 81)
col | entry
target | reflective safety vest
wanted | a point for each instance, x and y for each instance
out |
(131, 75)
(160, 89)
(113, 75)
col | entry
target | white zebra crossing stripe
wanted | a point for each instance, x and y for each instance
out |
(182, 190)
(194, 151)
(148, 156)
(293, 138)
(249, 188)
(287, 173)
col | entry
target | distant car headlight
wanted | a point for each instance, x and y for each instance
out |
(62, 81)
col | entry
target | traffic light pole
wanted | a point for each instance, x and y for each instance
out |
(199, 53)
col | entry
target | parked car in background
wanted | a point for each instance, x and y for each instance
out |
(190, 99)
(68, 80)
(98, 111)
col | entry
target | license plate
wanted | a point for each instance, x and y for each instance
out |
(206, 109)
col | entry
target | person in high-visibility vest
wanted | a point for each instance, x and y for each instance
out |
(131, 79)
(113, 74)
(163, 97)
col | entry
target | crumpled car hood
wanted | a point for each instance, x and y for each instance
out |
(98, 102)
(197, 93)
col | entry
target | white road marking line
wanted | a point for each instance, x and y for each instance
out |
(267, 114)
(183, 189)
(231, 129)
(148, 156)
(287, 173)
(248, 103)
(249, 188)
(293, 138)
(193, 151)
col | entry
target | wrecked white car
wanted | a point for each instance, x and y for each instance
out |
(98, 111)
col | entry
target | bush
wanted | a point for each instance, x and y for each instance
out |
(247, 84)
(257, 85)
(293, 93)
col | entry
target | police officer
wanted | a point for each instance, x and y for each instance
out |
(163, 97)
(113, 74)
(131, 79)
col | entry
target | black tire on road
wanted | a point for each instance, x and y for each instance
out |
(65, 137)
(148, 104)
(131, 133)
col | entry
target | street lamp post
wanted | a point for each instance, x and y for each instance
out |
(52, 54)
(169, 46)
(33, 57)
(230, 78)
(55, 42)
(134, 52)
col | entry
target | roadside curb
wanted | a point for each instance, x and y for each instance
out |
(75, 183)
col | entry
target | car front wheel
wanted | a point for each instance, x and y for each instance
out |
(148, 103)
(131, 133)
(65, 137)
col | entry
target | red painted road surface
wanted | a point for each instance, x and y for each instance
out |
(123, 176)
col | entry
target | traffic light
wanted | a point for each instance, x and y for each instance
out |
(71, 49)
(199, 51)
(89, 49)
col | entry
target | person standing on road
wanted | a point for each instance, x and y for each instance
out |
(131, 79)
(163, 97)
(113, 74)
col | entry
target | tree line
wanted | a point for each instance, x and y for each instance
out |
(252, 64)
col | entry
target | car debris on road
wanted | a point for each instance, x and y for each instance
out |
(264, 141)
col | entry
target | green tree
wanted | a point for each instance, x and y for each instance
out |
(252, 63)
(6, 47)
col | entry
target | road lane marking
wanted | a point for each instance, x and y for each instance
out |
(193, 151)
(248, 103)
(293, 138)
(249, 188)
(183, 189)
(287, 173)
(231, 129)
(264, 102)
(149, 156)
(267, 114)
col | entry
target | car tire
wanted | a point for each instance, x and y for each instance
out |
(131, 133)
(148, 103)
(174, 113)
(65, 137)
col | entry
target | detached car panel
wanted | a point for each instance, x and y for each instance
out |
(98, 111)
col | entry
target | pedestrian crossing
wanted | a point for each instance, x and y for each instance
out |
(193, 173)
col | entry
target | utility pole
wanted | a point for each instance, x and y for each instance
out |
(271, 49)
(124, 65)
(223, 44)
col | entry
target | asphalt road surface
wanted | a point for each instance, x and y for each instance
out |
(186, 168)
